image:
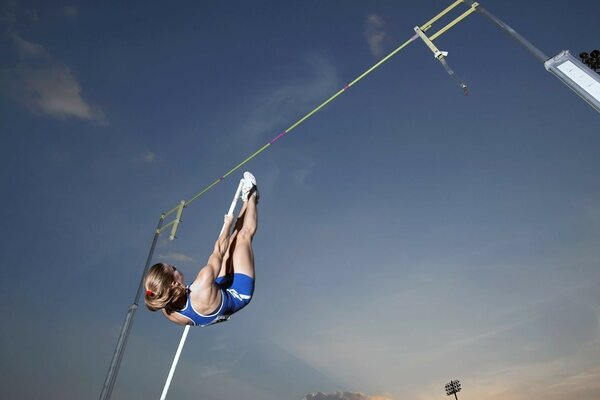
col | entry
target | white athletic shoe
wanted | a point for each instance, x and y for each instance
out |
(249, 187)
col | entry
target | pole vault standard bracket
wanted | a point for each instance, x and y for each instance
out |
(174, 224)
(437, 53)
(441, 57)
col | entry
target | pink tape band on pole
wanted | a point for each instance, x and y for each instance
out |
(278, 137)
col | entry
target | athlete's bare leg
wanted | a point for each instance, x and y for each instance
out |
(247, 229)
(243, 256)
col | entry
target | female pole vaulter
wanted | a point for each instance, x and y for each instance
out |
(223, 286)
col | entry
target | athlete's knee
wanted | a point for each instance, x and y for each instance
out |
(246, 234)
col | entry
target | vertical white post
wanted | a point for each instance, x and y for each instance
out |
(163, 396)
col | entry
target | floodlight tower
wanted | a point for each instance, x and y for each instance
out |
(452, 388)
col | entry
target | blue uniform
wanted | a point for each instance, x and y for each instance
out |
(236, 293)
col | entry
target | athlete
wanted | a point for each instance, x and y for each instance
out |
(223, 286)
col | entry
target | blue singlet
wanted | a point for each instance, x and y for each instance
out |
(236, 293)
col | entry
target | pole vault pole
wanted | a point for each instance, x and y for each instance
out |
(186, 330)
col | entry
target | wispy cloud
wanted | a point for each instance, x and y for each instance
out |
(27, 50)
(45, 86)
(60, 155)
(210, 371)
(343, 396)
(551, 380)
(147, 157)
(275, 108)
(175, 256)
(375, 34)
(69, 11)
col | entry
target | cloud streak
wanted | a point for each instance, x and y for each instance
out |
(274, 108)
(343, 396)
(44, 86)
(69, 11)
(148, 157)
(177, 257)
(375, 35)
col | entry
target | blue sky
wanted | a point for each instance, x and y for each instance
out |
(408, 235)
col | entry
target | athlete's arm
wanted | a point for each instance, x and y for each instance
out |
(210, 271)
(223, 241)
(221, 245)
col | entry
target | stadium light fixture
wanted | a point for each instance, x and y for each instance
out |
(582, 79)
(452, 388)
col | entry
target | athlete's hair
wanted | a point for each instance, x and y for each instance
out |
(160, 290)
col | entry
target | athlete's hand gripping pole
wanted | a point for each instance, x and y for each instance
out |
(163, 396)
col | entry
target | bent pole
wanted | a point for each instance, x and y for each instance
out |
(113, 369)
(186, 330)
